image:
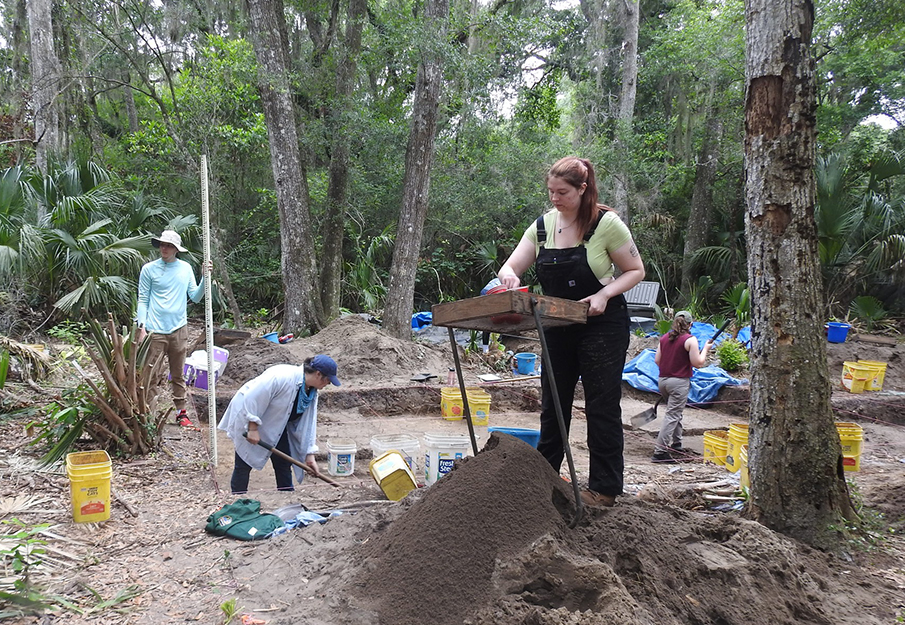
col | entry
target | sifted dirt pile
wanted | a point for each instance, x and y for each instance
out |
(490, 544)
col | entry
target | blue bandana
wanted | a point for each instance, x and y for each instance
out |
(304, 400)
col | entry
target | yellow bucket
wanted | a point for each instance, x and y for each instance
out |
(715, 443)
(855, 377)
(738, 436)
(877, 369)
(89, 485)
(453, 409)
(479, 406)
(743, 479)
(393, 475)
(851, 437)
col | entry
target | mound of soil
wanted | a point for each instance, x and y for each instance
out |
(365, 355)
(490, 544)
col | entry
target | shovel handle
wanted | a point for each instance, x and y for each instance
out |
(722, 327)
(292, 460)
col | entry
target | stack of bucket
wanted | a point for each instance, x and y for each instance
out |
(452, 408)
(715, 444)
(863, 375)
(738, 436)
(89, 485)
(850, 436)
(730, 449)
(743, 480)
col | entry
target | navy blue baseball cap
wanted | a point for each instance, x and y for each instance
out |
(327, 367)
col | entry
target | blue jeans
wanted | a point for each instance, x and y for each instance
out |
(281, 468)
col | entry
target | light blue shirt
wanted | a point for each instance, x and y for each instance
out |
(163, 292)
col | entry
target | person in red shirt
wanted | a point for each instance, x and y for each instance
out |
(677, 353)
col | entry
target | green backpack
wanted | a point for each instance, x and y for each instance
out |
(242, 519)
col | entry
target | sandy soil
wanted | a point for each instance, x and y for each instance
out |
(489, 543)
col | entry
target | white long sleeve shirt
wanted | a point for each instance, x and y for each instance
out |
(268, 400)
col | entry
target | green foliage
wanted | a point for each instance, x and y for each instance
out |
(868, 310)
(4, 366)
(230, 609)
(22, 551)
(63, 423)
(69, 331)
(738, 304)
(731, 355)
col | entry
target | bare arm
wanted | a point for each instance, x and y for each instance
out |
(697, 357)
(629, 262)
(519, 261)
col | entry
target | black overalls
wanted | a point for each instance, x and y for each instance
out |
(594, 352)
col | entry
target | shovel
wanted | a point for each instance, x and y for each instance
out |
(292, 460)
(647, 416)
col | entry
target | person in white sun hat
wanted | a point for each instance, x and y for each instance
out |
(164, 287)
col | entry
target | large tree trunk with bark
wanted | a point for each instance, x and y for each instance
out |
(45, 82)
(337, 191)
(621, 175)
(797, 484)
(397, 318)
(298, 258)
(700, 217)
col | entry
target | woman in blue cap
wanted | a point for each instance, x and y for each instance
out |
(278, 407)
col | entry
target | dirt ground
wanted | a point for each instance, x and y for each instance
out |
(495, 541)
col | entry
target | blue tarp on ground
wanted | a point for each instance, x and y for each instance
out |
(642, 373)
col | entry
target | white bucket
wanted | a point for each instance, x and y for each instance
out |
(341, 456)
(441, 450)
(405, 444)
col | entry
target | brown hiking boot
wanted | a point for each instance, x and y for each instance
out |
(592, 498)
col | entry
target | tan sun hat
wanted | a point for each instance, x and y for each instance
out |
(169, 236)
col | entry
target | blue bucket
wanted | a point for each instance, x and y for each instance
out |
(836, 332)
(273, 337)
(524, 363)
(532, 437)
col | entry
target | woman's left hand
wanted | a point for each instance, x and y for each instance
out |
(597, 303)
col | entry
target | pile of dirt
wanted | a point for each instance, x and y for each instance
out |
(490, 544)
(365, 355)
(436, 562)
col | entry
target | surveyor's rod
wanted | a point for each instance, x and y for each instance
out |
(209, 316)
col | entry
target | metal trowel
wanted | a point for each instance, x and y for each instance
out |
(647, 416)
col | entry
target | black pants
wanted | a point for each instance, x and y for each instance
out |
(596, 354)
(281, 468)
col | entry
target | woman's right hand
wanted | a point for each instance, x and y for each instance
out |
(508, 278)
(253, 437)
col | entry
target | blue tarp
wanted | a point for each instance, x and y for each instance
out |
(642, 373)
(421, 319)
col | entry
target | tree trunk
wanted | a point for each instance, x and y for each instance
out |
(45, 82)
(700, 217)
(337, 190)
(621, 175)
(397, 318)
(129, 103)
(298, 259)
(797, 484)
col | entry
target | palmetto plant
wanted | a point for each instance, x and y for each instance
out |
(861, 229)
(83, 256)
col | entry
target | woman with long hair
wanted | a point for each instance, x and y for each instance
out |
(576, 249)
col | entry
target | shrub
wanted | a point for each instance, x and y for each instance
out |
(731, 355)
